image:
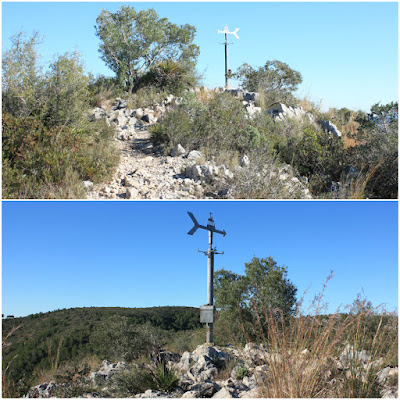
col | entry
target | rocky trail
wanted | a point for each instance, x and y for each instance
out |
(144, 173)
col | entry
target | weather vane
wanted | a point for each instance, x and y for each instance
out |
(208, 310)
(226, 31)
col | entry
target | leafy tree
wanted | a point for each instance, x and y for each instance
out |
(133, 42)
(243, 301)
(21, 75)
(276, 80)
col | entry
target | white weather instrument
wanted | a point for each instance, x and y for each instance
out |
(226, 30)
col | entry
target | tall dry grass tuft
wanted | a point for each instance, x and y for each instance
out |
(205, 95)
(8, 387)
(354, 187)
(316, 355)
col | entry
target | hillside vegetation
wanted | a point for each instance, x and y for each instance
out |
(45, 341)
(126, 351)
(51, 146)
(65, 346)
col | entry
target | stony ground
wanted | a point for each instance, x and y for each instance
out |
(213, 372)
(144, 173)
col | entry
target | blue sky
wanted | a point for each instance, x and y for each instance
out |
(138, 254)
(347, 52)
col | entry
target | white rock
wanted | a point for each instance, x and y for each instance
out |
(178, 150)
(224, 393)
(244, 161)
(194, 155)
(87, 184)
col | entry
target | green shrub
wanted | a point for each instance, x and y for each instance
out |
(169, 76)
(212, 127)
(103, 88)
(41, 162)
(242, 371)
(139, 379)
(146, 96)
(316, 155)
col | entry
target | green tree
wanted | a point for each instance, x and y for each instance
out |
(244, 300)
(21, 76)
(275, 80)
(133, 42)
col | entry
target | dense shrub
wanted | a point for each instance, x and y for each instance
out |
(217, 125)
(49, 145)
(275, 81)
(42, 162)
(316, 155)
(376, 151)
(169, 76)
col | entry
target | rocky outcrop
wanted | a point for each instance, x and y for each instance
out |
(200, 373)
(45, 390)
(106, 372)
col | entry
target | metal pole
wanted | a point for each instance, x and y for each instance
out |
(226, 61)
(207, 311)
(210, 285)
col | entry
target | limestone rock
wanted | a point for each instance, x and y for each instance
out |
(244, 161)
(330, 127)
(178, 150)
(131, 193)
(87, 184)
(194, 155)
(151, 394)
(98, 113)
(224, 393)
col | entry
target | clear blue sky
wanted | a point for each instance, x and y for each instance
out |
(347, 52)
(138, 254)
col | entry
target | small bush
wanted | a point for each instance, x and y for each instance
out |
(146, 96)
(102, 88)
(316, 155)
(241, 372)
(137, 380)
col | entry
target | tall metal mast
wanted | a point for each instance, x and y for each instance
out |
(226, 31)
(207, 311)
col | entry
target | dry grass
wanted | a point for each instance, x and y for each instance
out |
(205, 95)
(301, 357)
(8, 388)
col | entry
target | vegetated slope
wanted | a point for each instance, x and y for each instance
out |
(64, 335)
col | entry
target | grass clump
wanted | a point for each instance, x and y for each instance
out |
(336, 355)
